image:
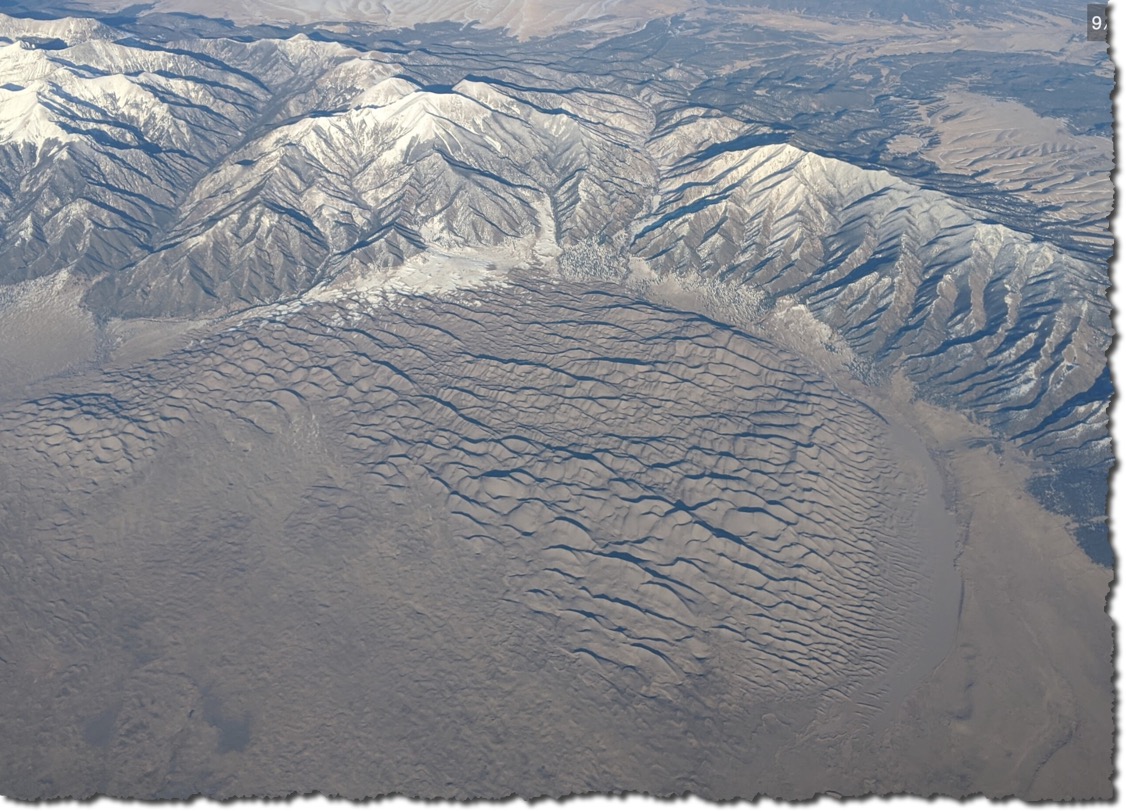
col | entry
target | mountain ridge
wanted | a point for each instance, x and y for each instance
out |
(206, 176)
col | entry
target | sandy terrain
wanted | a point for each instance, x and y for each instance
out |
(44, 332)
(1030, 657)
(435, 413)
(588, 531)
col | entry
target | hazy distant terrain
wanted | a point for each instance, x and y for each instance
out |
(489, 398)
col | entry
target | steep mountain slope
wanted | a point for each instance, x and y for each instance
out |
(384, 175)
(99, 141)
(976, 314)
(192, 178)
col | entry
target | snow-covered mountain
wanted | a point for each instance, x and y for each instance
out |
(200, 176)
